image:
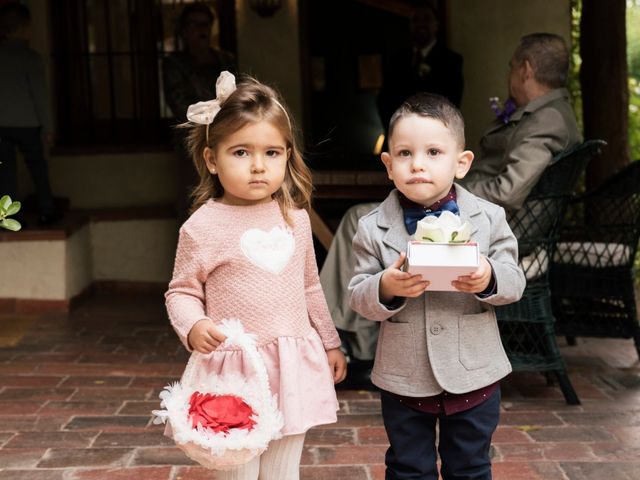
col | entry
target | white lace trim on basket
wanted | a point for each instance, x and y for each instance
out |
(256, 393)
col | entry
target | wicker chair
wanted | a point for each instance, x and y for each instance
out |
(527, 326)
(592, 275)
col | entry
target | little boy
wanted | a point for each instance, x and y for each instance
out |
(439, 356)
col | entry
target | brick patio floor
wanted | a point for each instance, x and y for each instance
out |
(77, 390)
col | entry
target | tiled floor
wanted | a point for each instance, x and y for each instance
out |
(76, 392)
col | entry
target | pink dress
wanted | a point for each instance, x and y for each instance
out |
(245, 262)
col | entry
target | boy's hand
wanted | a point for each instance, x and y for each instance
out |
(478, 281)
(204, 336)
(396, 283)
(338, 364)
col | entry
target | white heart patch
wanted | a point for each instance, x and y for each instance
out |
(270, 251)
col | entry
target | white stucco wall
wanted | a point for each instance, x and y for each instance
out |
(46, 270)
(133, 250)
(78, 262)
(269, 48)
(485, 33)
(93, 181)
(125, 250)
(33, 270)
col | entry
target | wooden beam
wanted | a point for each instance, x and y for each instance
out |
(320, 229)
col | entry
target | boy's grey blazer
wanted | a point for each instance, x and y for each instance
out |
(440, 340)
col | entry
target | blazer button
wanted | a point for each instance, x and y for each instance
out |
(436, 328)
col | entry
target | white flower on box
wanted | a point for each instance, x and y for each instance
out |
(447, 228)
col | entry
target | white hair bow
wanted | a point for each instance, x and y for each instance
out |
(203, 113)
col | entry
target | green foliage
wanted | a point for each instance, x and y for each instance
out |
(633, 38)
(8, 208)
(633, 61)
(633, 58)
(634, 117)
(576, 61)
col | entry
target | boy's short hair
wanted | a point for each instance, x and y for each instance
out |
(13, 18)
(432, 106)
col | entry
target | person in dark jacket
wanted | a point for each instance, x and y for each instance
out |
(428, 66)
(25, 116)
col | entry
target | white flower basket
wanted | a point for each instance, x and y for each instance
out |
(222, 451)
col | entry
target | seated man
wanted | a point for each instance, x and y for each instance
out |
(512, 156)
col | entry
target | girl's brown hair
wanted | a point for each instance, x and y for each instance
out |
(251, 102)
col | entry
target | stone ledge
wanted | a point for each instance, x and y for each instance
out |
(121, 250)
(74, 220)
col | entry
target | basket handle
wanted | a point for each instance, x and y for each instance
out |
(236, 336)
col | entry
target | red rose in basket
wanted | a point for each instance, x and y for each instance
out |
(220, 413)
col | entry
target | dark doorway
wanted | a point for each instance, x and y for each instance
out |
(345, 43)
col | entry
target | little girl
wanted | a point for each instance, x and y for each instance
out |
(246, 252)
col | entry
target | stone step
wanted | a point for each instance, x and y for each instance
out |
(48, 269)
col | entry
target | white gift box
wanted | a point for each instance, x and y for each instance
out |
(441, 263)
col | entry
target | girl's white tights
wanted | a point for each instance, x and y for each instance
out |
(279, 462)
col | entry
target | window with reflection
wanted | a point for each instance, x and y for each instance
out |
(107, 58)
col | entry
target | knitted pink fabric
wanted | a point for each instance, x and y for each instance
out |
(245, 262)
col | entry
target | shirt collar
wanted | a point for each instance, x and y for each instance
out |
(406, 203)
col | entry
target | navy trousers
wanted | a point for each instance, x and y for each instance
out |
(463, 444)
(29, 141)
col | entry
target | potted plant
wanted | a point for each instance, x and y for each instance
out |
(8, 208)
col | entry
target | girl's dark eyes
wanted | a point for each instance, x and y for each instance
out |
(404, 153)
(241, 152)
(433, 152)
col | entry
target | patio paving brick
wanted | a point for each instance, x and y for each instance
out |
(77, 391)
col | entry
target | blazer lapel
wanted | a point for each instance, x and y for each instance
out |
(468, 206)
(392, 220)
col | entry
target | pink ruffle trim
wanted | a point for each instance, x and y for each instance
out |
(299, 375)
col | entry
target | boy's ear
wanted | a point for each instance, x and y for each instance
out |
(209, 159)
(386, 159)
(465, 159)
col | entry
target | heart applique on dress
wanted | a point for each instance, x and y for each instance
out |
(271, 250)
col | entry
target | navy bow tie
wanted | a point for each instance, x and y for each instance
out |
(413, 215)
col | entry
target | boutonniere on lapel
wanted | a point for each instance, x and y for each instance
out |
(503, 112)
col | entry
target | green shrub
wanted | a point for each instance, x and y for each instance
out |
(8, 208)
